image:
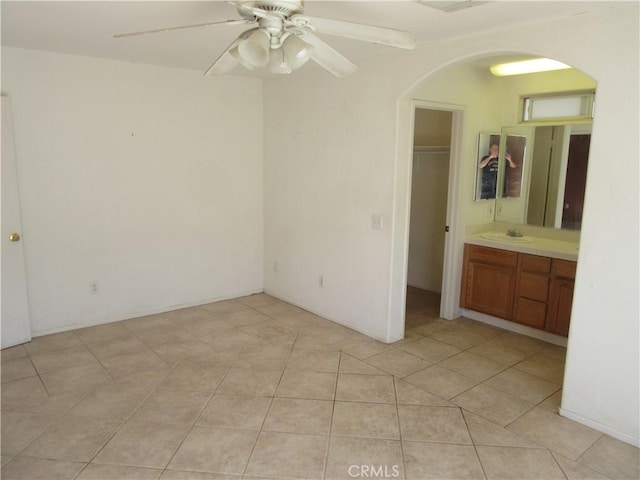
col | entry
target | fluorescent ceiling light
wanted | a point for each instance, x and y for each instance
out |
(527, 66)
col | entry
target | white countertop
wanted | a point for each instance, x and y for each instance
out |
(538, 246)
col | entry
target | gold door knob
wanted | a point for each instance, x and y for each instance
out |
(14, 237)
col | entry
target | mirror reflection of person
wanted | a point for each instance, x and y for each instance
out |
(489, 167)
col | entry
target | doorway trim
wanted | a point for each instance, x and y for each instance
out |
(449, 304)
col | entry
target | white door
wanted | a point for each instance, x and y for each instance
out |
(16, 327)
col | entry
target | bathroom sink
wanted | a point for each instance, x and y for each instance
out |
(503, 237)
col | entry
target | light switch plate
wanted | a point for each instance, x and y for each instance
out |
(376, 221)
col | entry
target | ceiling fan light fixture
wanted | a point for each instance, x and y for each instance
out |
(254, 49)
(282, 39)
(527, 66)
(236, 54)
(296, 52)
(278, 62)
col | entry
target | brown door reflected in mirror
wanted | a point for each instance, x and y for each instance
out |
(576, 181)
(514, 163)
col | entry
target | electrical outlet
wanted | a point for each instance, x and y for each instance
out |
(376, 221)
(93, 287)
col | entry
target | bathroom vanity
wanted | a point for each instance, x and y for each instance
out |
(527, 281)
(530, 179)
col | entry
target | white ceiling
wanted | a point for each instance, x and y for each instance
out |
(87, 27)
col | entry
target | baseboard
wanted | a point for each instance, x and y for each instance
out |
(143, 313)
(612, 432)
(323, 315)
(422, 286)
(515, 327)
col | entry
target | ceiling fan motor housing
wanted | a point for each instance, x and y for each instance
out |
(282, 8)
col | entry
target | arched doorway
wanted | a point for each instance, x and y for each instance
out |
(481, 103)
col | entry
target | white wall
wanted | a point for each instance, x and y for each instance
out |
(147, 180)
(328, 167)
(602, 377)
(332, 160)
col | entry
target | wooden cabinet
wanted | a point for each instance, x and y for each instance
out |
(532, 292)
(529, 289)
(561, 297)
(488, 280)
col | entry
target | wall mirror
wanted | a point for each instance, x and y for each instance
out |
(547, 185)
(551, 115)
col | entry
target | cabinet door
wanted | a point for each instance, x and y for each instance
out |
(490, 289)
(560, 306)
(530, 312)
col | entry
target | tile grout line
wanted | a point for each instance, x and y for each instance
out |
(496, 374)
(190, 429)
(333, 409)
(151, 392)
(255, 443)
(473, 442)
(124, 423)
(39, 375)
(555, 460)
(401, 441)
(86, 345)
(58, 415)
(206, 404)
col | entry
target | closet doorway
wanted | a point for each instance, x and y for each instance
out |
(428, 214)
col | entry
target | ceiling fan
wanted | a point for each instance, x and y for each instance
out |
(282, 39)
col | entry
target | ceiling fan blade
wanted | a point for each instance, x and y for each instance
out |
(366, 33)
(327, 57)
(159, 30)
(225, 62)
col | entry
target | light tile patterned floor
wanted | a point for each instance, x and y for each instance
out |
(255, 388)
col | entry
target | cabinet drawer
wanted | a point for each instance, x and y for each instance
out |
(535, 287)
(531, 313)
(535, 263)
(492, 256)
(564, 268)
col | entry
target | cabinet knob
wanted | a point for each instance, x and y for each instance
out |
(14, 237)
